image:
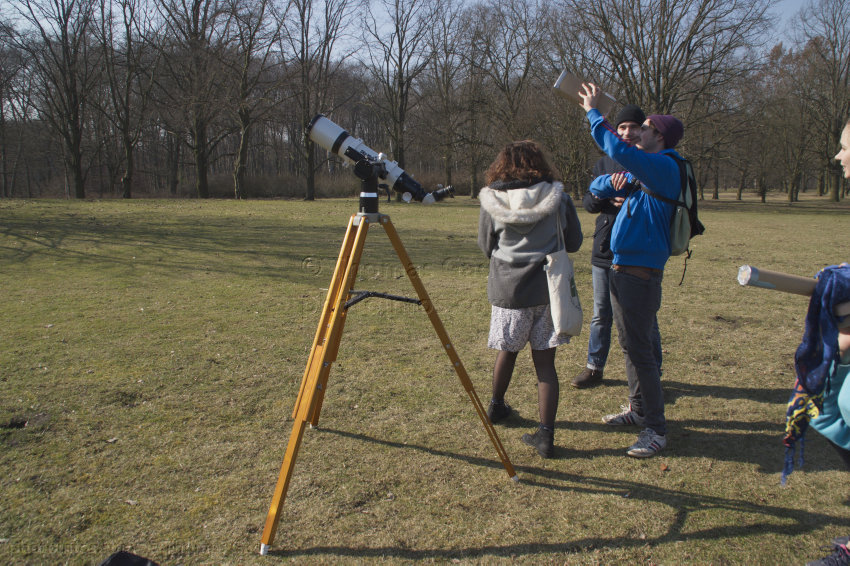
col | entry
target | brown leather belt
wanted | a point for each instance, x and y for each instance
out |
(638, 271)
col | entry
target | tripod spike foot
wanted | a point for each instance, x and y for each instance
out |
(264, 549)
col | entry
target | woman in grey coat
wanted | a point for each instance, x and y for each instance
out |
(520, 209)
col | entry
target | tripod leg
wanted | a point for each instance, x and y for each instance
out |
(328, 308)
(332, 348)
(273, 518)
(410, 269)
(322, 355)
(336, 294)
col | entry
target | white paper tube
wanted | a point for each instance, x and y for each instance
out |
(754, 277)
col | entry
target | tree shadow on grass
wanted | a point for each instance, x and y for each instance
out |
(219, 246)
(784, 521)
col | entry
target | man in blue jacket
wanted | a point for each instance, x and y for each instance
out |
(640, 241)
(628, 122)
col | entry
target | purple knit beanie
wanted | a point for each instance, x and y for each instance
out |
(670, 128)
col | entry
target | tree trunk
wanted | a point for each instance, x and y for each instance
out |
(741, 185)
(311, 171)
(77, 177)
(173, 166)
(835, 183)
(202, 182)
(716, 194)
(240, 167)
(127, 178)
(199, 151)
(4, 160)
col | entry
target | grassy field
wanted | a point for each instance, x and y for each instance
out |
(152, 351)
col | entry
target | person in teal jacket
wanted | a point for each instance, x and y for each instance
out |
(640, 240)
(832, 422)
(835, 412)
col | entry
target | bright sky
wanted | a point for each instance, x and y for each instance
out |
(788, 8)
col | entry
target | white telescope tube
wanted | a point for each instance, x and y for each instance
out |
(335, 139)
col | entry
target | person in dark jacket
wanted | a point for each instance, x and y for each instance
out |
(627, 122)
(520, 210)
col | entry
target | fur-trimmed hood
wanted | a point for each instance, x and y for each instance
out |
(523, 205)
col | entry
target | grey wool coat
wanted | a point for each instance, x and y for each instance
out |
(517, 228)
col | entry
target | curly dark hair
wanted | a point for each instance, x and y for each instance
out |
(519, 161)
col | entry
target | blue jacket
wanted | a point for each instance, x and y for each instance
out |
(641, 233)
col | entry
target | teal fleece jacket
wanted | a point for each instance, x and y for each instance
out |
(641, 233)
(835, 414)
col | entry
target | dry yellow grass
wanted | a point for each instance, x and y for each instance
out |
(154, 350)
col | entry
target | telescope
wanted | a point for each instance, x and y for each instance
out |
(370, 165)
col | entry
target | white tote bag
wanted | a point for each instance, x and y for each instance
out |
(563, 295)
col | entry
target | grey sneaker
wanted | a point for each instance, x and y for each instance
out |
(649, 443)
(625, 417)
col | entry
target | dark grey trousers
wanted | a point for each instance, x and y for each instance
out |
(635, 302)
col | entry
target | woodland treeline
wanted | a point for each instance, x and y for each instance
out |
(210, 98)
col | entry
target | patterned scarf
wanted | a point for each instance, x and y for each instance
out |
(815, 359)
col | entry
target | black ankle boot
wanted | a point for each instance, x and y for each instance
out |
(543, 440)
(498, 411)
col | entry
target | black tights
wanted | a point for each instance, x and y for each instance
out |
(548, 389)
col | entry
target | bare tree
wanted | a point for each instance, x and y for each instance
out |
(311, 41)
(512, 35)
(476, 99)
(129, 66)
(255, 67)
(195, 37)
(396, 41)
(58, 47)
(825, 32)
(668, 55)
(12, 76)
(442, 110)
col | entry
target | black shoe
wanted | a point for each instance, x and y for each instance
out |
(543, 440)
(498, 411)
(587, 378)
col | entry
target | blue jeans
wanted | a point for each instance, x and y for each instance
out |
(635, 303)
(599, 343)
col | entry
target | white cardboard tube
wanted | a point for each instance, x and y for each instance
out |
(754, 277)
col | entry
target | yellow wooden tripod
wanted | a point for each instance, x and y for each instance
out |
(326, 345)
